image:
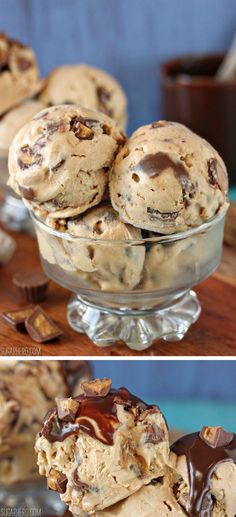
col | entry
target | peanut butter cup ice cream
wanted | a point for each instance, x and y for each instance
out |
(154, 500)
(100, 447)
(203, 473)
(167, 179)
(97, 263)
(27, 390)
(88, 87)
(60, 161)
(19, 74)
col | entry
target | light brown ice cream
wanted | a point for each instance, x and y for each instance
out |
(19, 74)
(88, 87)
(99, 448)
(14, 119)
(10, 123)
(60, 161)
(110, 266)
(203, 474)
(167, 179)
(27, 390)
(154, 500)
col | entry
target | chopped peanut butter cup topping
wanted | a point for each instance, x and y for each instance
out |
(97, 387)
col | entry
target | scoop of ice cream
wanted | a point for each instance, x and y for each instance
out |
(27, 390)
(177, 264)
(14, 119)
(154, 500)
(60, 161)
(167, 179)
(19, 74)
(204, 472)
(104, 263)
(98, 448)
(88, 87)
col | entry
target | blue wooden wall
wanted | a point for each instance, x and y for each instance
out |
(129, 38)
(191, 379)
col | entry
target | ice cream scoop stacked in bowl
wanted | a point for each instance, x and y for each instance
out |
(106, 452)
(129, 225)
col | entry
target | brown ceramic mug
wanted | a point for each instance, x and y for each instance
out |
(193, 96)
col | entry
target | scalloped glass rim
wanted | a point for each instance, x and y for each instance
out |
(163, 239)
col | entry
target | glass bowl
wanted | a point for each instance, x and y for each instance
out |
(13, 212)
(135, 291)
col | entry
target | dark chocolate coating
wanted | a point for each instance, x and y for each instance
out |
(204, 459)
(101, 410)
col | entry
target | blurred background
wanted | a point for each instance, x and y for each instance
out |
(191, 393)
(129, 38)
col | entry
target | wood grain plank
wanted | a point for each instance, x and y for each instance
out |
(213, 335)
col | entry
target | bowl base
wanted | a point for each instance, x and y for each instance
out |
(31, 499)
(138, 331)
(15, 216)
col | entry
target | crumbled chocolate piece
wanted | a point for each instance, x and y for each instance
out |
(16, 318)
(97, 388)
(27, 192)
(212, 171)
(155, 214)
(28, 157)
(153, 434)
(216, 436)
(32, 285)
(81, 127)
(40, 327)
(67, 409)
(57, 481)
(106, 129)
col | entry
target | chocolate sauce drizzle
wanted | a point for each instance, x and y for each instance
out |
(202, 462)
(96, 416)
(154, 164)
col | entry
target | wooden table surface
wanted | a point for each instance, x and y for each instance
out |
(214, 334)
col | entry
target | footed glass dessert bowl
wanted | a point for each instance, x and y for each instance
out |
(135, 291)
